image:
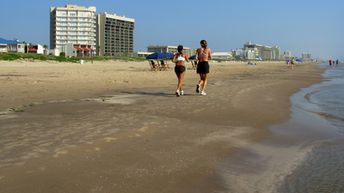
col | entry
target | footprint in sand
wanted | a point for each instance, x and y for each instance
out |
(109, 139)
(60, 152)
(143, 129)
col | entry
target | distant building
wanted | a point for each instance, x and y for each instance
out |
(12, 46)
(115, 34)
(251, 54)
(238, 53)
(264, 52)
(3, 46)
(37, 49)
(143, 54)
(287, 55)
(172, 49)
(276, 53)
(74, 25)
(306, 56)
(54, 52)
(222, 56)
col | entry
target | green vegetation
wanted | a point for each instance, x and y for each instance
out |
(29, 56)
(62, 58)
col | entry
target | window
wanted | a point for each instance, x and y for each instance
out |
(61, 13)
(73, 13)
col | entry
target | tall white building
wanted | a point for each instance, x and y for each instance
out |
(73, 25)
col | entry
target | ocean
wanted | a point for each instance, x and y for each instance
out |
(322, 169)
(304, 154)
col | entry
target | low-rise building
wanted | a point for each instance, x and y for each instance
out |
(143, 54)
(37, 49)
(78, 50)
(12, 46)
(222, 56)
(171, 49)
(54, 52)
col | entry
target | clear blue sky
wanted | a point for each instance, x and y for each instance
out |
(315, 26)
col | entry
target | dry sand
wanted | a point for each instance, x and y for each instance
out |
(117, 126)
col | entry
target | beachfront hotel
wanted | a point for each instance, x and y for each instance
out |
(261, 51)
(73, 29)
(115, 34)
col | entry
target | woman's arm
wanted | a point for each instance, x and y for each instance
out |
(196, 59)
(209, 54)
(174, 60)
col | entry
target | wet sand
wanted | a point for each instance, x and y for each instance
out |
(117, 127)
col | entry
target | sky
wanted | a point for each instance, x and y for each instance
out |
(312, 26)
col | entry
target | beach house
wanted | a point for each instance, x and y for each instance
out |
(37, 49)
(12, 46)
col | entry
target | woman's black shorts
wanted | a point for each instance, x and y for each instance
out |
(179, 69)
(202, 68)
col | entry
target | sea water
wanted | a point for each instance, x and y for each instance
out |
(304, 154)
(322, 169)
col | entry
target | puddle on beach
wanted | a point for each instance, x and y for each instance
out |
(123, 99)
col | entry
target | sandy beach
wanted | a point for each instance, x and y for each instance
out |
(118, 127)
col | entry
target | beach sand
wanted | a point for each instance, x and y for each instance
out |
(118, 127)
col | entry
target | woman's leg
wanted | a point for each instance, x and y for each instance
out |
(180, 81)
(205, 81)
(200, 82)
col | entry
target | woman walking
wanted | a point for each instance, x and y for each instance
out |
(179, 59)
(203, 55)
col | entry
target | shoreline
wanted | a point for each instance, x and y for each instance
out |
(178, 147)
(279, 163)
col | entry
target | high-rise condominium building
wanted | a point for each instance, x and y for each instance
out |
(264, 52)
(115, 34)
(73, 25)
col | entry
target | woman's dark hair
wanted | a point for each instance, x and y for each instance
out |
(204, 43)
(180, 48)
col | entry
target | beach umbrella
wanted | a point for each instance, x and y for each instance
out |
(160, 56)
(299, 60)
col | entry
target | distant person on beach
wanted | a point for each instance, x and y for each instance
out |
(179, 59)
(337, 62)
(290, 63)
(203, 55)
(330, 62)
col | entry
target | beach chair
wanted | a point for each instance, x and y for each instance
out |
(154, 66)
(163, 65)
